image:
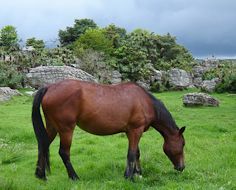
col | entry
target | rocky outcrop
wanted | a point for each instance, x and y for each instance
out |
(156, 75)
(6, 93)
(199, 99)
(116, 77)
(144, 84)
(43, 75)
(209, 85)
(179, 79)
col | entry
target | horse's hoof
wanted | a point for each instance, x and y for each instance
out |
(74, 178)
(40, 175)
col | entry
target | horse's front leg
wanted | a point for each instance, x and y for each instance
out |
(133, 137)
(137, 169)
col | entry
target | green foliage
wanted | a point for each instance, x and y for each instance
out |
(228, 83)
(132, 57)
(71, 34)
(10, 76)
(142, 49)
(226, 72)
(210, 154)
(115, 34)
(8, 37)
(96, 64)
(37, 44)
(94, 39)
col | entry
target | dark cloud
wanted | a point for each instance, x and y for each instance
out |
(205, 27)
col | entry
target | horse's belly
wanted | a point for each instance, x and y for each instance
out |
(100, 128)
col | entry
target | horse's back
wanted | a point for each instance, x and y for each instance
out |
(98, 109)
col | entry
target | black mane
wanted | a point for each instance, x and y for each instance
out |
(163, 115)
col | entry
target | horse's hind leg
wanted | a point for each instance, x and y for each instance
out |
(43, 154)
(51, 135)
(64, 152)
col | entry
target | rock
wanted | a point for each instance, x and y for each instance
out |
(205, 66)
(30, 93)
(43, 75)
(156, 75)
(6, 93)
(199, 99)
(198, 71)
(209, 85)
(179, 79)
(116, 77)
(197, 82)
(144, 84)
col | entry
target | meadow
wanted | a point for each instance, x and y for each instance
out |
(210, 151)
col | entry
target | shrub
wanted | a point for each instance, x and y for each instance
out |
(10, 76)
(226, 72)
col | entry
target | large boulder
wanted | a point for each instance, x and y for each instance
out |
(199, 99)
(43, 75)
(179, 79)
(209, 85)
(6, 93)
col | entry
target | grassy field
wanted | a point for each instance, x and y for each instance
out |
(100, 161)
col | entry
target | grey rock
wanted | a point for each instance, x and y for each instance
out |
(156, 75)
(43, 75)
(30, 93)
(198, 71)
(179, 78)
(209, 85)
(197, 82)
(144, 84)
(6, 93)
(199, 99)
(205, 66)
(116, 77)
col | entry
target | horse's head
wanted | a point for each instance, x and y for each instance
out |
(173, 148)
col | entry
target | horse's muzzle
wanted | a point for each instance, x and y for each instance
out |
(179, 168)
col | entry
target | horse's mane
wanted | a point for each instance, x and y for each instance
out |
(163, 115)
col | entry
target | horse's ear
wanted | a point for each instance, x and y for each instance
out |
(182, 130)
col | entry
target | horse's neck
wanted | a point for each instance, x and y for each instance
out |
(165, 124)
(165, 131)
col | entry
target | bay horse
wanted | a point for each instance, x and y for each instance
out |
(102, 110)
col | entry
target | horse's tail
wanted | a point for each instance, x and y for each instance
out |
(41, 134)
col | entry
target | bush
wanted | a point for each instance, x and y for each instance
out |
(228, 84)
(97, 64)
(10, 76)
(226, 72)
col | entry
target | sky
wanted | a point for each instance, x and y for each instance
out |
(204, 27)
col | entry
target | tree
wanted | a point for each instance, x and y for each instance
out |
(115, 34)
(37, 44)
(142, 49)
(8, 37)
(94, 39)
(71, 34)
(132, 57)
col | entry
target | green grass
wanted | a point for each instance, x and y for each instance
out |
(100, 161)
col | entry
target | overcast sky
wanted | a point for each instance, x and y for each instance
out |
(205, 27)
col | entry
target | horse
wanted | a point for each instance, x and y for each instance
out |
(102, 110)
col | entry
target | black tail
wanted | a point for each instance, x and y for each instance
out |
(41, 134)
